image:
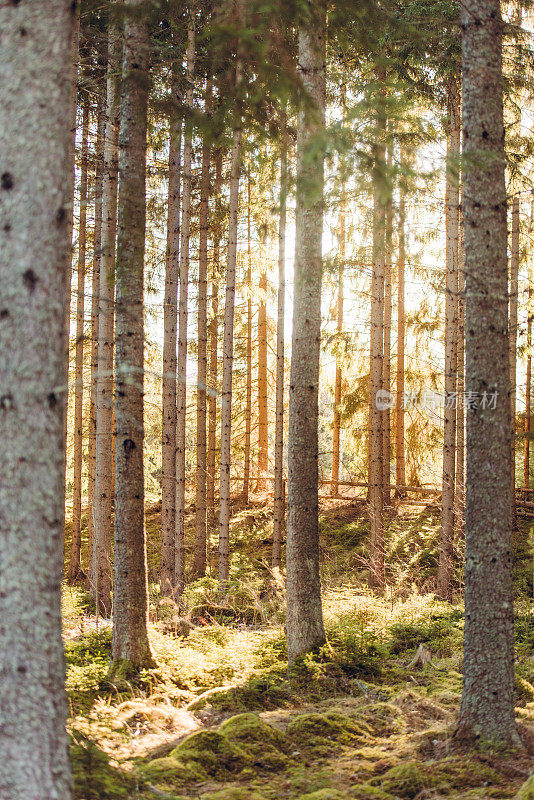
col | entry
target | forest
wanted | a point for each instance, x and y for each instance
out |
(266, 399)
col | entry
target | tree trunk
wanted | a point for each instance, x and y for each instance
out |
(104, 397)
(487, 708)
(181, 393)
(130, 646)
(263, 424)
(212, 402)
(386, 415)
(228, 355)
(376, 448)
(451, 353)
(304, 622)
(170, 316)
(95, 289)
(336, 437)
(400, 457)
(514, 291)
(201, 527)
(279, 493)
(459, 489)
(528, 389)
(248, 399)
(34, 238)
(75, 564)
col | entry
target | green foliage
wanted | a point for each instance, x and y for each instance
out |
(406, 780)
(93, 775)
(324, 731)
(87, 660)
(209, 754)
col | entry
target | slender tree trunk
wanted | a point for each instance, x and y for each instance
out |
(130, 646)
(336, 437)
(487, 707)
(179, 566)
(304, 622)
(104, 397)
(386, 415)
(75, 563)
(528, 389)
(263, 423)
(376, 449)
(170, 316)
(400, 457)
(228, 354)
(279, 492)
(34, 238)
(514, 291)
(459, 493)
(95, 290)
(248, 400)
(201, 526)
(451, 351)
(212, 402)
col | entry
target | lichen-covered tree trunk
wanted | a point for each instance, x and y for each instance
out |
(386, 414)
(304, 621)
(452, 202)
(248, 396)
(212, 401)
(279, 489)
(181, 391)
(75, 565)
(170, 317)
(487, 706)
(95, 289)
(228, 354)
(130, 646)
(514, 292)
(400, 456)
(106, 314)
(201, 526)
(34, 240)
(459, 488)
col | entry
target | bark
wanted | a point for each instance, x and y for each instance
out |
(336, 437)
(212, 401)
(104, 397)
(95, 288)
(248, 399)
(400, 457)
(75, 566)
(487, 707)
(459, 492)
(201, 522)
(181, 392)
(386, 415)
(130, 646)
(304, 621)
(376, 448)
(514, 291)
(279, 488)
(170, 317)
(34, 238)
(228, 354)
(528, 389)
(451, 351)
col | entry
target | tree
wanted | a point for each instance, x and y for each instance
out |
(513, 305)
(336, 435)
(279, 488)
(487, 707)
(75, 565)
(388, 246)
(35, 183)
(201, 529)
(400, 458)
(248, 400)
(170, 316)
(451, 349)
(263, 417)
(106, 315)
(304, 622)
(130, 645)
(181, 392)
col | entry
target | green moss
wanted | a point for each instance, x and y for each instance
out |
(162, 769)
(209, 754)
(331, 728)
(384, 719)
(526, 792)
(93, 776)
(467, 773)
(322, 794)
(264, 745)
(406, 780)
(232, 793)
(366, 792)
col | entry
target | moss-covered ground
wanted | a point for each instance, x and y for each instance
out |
(221, 718)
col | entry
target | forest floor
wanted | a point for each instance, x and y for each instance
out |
(221, 718)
